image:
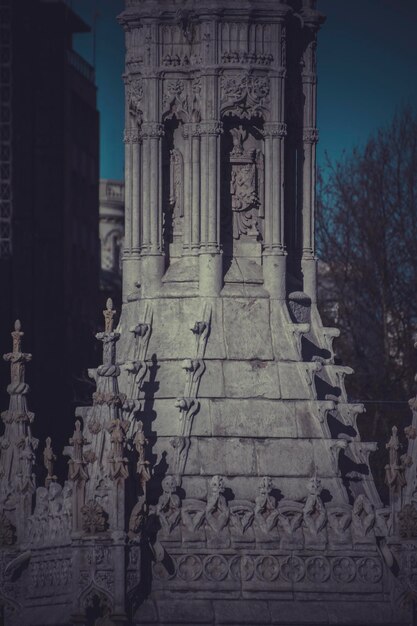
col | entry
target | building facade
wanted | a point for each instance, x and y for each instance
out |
(111, 237)
(218, 476)
(49, 159)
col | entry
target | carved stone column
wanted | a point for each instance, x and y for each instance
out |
(274, 256)
(312, 21)
(132, 140)
(152, 255)
(195, 188)
(210, 255)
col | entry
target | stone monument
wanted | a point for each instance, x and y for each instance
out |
(219, 476)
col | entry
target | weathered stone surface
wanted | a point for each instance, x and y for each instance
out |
(252, 418)
(242, 612)
(183, 612)
(251, 379)
(246, 328)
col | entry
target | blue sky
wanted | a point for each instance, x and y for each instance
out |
(367, 64)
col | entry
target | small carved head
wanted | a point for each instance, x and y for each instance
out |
(314, 486)
(55, 491)
(217, 485)
(169, 484)
(265, 486)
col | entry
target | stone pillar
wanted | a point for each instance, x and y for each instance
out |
(312, 21)
(274, 256)
(186, 243)
(131, 255)
(195, 188)
(210, 255)
(152, 256)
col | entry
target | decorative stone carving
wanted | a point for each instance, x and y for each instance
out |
(118, 468)
(142, 465)
(290, 519)
(217, 511)
(245, 184)
(363, 520)
(48, 460)
(94, 518)
(169, 505)
(77, 462)
(394, 471)
(192, 518)
(134, 99)
(245, 95)
(266, 514)
(252, 58)
(310, 135)
(314, 515)
(339, 519)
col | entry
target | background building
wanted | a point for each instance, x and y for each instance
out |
(49, 159)
(112, 197)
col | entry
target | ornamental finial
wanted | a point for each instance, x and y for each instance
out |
(109, 314)
(17, 335)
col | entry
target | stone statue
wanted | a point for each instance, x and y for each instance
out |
(266, 514)
(48, 460)
(217, 511)
(168, 507)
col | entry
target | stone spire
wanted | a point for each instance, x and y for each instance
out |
(107, 467)
(17, 445)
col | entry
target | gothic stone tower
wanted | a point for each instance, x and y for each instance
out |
(251, 441)
(234, 369)
(218, 477)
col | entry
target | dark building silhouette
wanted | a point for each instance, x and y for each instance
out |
(49, 161)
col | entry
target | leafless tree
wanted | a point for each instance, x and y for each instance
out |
(367, 238)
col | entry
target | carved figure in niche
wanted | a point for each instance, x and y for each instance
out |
(169, 505)
(266, 514)
(246, 185)
(363, 518)
(217, 511)
(176, 197)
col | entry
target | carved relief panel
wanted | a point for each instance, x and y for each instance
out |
(242, 194)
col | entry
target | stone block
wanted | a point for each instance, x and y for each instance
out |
(146, 613)
(251, 379)
(242, 612)
(246, 328)
(286, 457)
(293, 379)
(252, 418)
(211, 382)
(234, 456)
(186, 611)
(298, 613)
(167, 418)
(171, 336)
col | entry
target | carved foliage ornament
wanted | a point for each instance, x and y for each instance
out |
(245, 95)
(94, 517)
(181, 98)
